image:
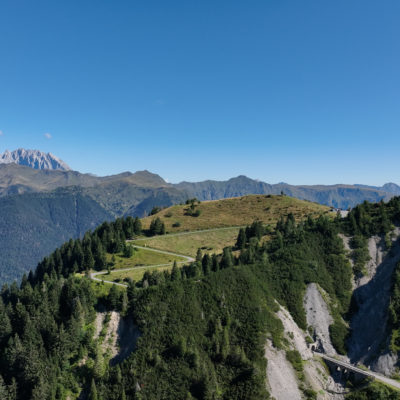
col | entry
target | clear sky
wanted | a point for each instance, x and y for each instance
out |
(305, 92)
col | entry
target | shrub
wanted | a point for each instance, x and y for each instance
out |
(198, 213)
(177, 224)
(339, 333)
(310, 394)
(168, 214)
(294, 357)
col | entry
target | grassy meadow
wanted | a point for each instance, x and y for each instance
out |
(208, 241)
(235, 211)
(136, 274)
(142, 257)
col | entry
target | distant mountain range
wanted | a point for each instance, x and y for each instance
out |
(342, 196)
(387, 187)
(33, 158)
(41, 207)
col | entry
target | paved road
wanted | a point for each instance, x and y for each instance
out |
(378, 377)
(188, 259)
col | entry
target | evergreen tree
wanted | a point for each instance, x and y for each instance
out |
(199, 255)
(137, 226)
(99, 367)
(113, 296)
(93, 391)
(175, 273)
(3, 389)
(128, 251)
(241, 239)
(124, 303)
(206, 264)
(227, 258)
(13, 390)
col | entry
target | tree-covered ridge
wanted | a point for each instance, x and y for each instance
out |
(373, 218)
(203, 326)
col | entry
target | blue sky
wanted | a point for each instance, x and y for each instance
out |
(305, 92)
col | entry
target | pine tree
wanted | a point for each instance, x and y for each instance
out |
(137, 226)
(241, 239)
(113, 297)
(199, 255)
(3, 389)
(93, 391)
(99, 363)
(89, 259)
(5, 324)
(207, 264)
(226, 260)
(124, 303)
(13, 390)
(162, 229)
(175, 273)
(79, 313)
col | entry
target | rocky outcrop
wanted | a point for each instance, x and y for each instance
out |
(281, 375)
(283, 382)
(33, 158)
(319, 318)
(120, 337)
(370, 337)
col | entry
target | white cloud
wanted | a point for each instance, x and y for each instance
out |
(1, 133)
(166, 180)
(47, 135)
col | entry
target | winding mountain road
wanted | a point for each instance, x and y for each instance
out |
(188, 259)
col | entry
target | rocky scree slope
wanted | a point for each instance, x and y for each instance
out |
(371, 330)
(286, 382)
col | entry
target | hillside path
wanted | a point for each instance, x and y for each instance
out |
(188, 259)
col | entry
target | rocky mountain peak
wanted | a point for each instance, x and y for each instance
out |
(35, 159)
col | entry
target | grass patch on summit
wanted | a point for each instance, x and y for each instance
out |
(237, 211)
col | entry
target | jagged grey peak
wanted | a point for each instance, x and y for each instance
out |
(35, 159)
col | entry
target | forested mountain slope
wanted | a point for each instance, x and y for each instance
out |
(32, 224)
(203, 327)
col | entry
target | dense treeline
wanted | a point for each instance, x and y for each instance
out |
(373, 218)
(203, 325)
(46, 324)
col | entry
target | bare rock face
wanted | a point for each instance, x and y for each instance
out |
(35, 159)
(371, 331)
(283, 382)
(319, 318)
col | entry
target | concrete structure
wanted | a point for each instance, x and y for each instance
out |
(340, 367)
